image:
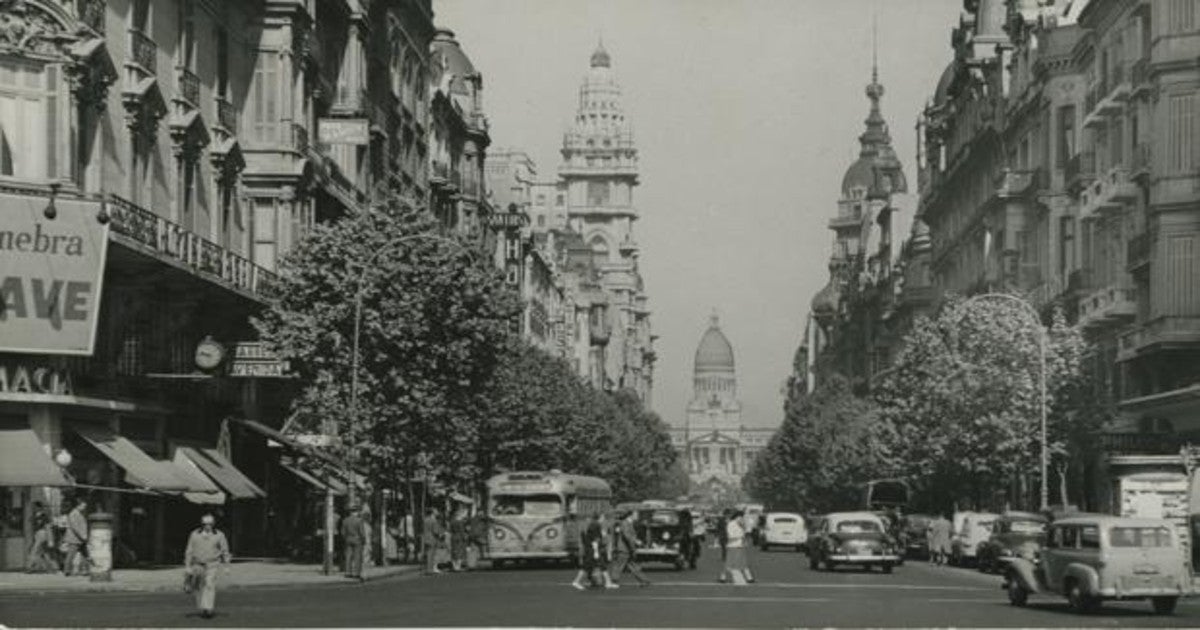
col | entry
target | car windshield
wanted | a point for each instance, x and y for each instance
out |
(783, 519)
(527, 505)
(1140, 537)
(1027, 527)
(663, 517)
(984, 526)
(858, 527)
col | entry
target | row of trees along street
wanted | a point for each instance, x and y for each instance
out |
(957, 416)
(446, 387)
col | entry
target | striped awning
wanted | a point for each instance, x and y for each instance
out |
(23, 461)
(140, 469)
(223, 472)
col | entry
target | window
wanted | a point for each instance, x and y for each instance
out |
(512, 248)
(266, 242)
(559, 200)
(30, 119)
(1139, 537)
(1066, 244)
(1066, 135)
(597, 193)
(265, 126)
(541, 220)
(1089, 537)
(1181, 16)
(222, 63)
(1182, 131)
(1070, 537)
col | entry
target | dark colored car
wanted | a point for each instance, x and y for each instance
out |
(914, 528)
(852, 538)
(665, 536)
(1014, 535)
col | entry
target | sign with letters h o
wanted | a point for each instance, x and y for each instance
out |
(50, 275)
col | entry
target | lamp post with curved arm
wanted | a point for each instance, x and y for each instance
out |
(1028, 309)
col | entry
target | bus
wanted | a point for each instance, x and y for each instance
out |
(538, 515)
(882, 494)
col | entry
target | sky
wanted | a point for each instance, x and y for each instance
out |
(746, 114)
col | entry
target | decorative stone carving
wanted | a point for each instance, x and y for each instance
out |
(25, 28)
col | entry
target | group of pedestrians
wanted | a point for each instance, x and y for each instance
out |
(607, 552)
(459, 543)
(732, 533)
(59, 544)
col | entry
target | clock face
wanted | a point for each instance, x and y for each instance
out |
(209, 354)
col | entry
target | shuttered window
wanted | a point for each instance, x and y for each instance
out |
(1178, 291)
(1181, 16)
(265, 127)
(1182, 112)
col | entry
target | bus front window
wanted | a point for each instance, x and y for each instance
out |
(539, 505)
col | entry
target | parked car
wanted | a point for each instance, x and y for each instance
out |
(665, 535)
(974, 528)
(1090, 559)
(852, 538)
(916, 540)
(783, 529)
(1014, 535)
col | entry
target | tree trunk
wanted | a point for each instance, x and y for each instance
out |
(1062, 482)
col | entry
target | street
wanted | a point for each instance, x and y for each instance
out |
(787, 594)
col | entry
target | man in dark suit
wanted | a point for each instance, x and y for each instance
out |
(353, 537)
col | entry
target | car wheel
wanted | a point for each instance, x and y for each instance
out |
(1017, 595)
(887, 568)
(1080, 601)
(679, 565)
(813, 563)
(1164, 605)
(830, 565)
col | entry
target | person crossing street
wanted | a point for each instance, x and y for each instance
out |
(625, 544)
(207, 549)
(353, 538)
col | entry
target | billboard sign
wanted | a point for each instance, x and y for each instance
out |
(51, 271)
(343, 131)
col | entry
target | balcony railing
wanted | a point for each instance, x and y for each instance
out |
(227, 115)
(1140, 443)
(1161, 330)
(1139, 74)
(1108, 305)
(189, 87)
(1111, 190)
(1137, 251)
(145, 51)
(1080, 169)
(172, 240)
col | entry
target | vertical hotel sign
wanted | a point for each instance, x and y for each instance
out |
(50, 274)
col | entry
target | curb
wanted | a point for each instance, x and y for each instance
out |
(117, 587)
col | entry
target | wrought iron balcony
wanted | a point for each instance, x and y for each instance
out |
(1140, 443)
(1108, 306)
(299, 138)
(1139, 76)
(227, 115)
(144, 51)
(1081, 169)
(1110, 191)
(171, 240)
(189, 87)
(1137, 252)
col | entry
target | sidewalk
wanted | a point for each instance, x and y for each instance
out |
(240, 574)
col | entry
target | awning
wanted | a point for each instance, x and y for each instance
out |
(333, 484)
(23, 462)
(140, 468)
(223, 472)
(288, 441)
(201, 490)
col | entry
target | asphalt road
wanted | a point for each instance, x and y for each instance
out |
(787, 593)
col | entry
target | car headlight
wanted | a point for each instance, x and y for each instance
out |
(552, 533)
(1007, 552)
(498, 533)
(666, 536)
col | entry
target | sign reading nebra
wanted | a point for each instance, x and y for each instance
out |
(343, 131)
(252, 360)
(50, 275)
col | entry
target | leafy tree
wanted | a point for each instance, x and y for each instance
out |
(961, 408)
(435, 320)
(823, 452)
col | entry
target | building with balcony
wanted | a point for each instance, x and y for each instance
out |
(156, 161)
(714, 441)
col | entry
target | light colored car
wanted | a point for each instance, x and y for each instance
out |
(1094, 558)
(783, 529)
(974, 529)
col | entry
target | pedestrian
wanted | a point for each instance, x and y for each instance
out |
(368, 558)
(592, 554)
(699, 531)
(943, 530)
(735, 556)
(41, 552)
(458, 540)
(74, 538)
(477, 537)
(206, 549)
(433, 534)
(625, 545)
(723, 534)
(354, 537)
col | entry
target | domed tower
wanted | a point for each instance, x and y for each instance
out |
(714, 404)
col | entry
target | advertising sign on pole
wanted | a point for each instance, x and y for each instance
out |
(51, 270)
(343, 131)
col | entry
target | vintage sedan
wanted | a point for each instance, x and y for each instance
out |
(1090, 559)
(1014, 535)
(852, 538)
(916, 534)
(664, 535)
(970, 529)
(783, 529)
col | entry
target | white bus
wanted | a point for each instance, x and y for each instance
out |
(538, 515)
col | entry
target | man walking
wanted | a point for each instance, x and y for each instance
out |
(353, 538)
(74, 538)
(625, 549)
(206, 549)
(433, 534)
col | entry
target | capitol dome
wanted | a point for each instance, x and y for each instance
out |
(715, 353)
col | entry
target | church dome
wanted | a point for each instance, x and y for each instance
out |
(600, 58)
(825, 302)
(715, 353)
(861, 174)
(942, 93)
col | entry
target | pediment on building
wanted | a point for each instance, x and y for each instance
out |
(715, 437)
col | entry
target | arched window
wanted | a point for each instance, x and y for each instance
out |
(599, 246)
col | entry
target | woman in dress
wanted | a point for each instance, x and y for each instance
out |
(458, 540)
(735, 550)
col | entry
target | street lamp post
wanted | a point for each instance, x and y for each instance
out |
(1029, 310)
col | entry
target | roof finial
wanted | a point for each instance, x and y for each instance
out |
(874, 46)
(600, 58)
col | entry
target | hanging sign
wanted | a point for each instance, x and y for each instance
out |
(51, 270)
(343, 131)
(252, 360)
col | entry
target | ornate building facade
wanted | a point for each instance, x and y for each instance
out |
(714, 441)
